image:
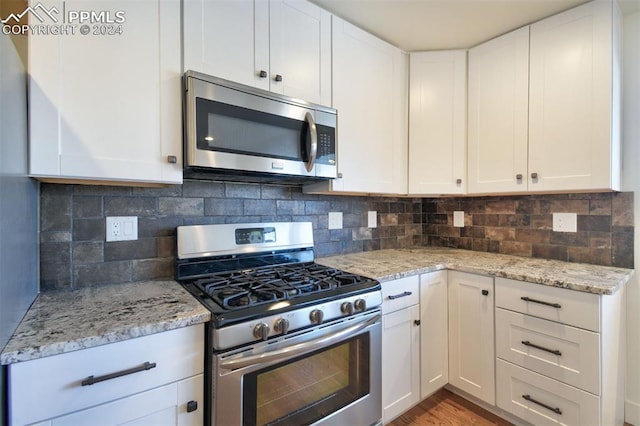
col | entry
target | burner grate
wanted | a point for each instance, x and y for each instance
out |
(239, 289)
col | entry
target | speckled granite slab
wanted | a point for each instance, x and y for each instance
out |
(67, 321)
(386, 265)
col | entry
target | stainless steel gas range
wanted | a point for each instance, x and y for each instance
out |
(291, 342)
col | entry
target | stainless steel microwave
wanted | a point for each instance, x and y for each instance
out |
(236, 132)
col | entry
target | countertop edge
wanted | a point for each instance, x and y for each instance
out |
(26, 342)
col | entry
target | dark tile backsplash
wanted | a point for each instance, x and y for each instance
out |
(74, 254)
(522, 225)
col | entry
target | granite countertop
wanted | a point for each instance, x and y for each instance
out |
(386, 265)
(60, 322)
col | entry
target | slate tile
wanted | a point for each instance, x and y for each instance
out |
(55, 207)
(87, 206)
(622, 209)
(223, 207)
(259, 207)
(153, 269)
(87, 252)
(101, 273)
(89, 230)
(149, 227)
(202, 189)
(127, 250)
(180, 206)
(130, 206)
(242, 190)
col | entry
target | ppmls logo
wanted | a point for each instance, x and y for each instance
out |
(94, 22)
(34, 12)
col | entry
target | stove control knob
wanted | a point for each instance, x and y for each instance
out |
(360, 305)
(281, 325)
(261, 331)
(347, 308)
(316, 316)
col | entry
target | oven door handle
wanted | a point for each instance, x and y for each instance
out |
(301, 348)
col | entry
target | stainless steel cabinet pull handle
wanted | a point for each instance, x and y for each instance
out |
(172, 159)
(485, 292)
(93, 380)
(398, 296)
(262, 74)
(458, 181)
(278, 77)
(519, 176)
(541, 302)
(542, 348)
(548, 407)
(534, 176)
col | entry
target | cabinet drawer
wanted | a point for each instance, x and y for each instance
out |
(545, 397)
(556, 304)
(56, 381)
(529, 342)
(399, 294)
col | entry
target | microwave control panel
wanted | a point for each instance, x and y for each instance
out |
(326, 145)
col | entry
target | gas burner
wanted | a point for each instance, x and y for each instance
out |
(240, 289)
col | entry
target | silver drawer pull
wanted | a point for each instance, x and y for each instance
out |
(542, 348)
(548, 407)
(541, 302)
(92, 380)
(398, 296)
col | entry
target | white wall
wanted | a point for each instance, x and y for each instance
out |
(631, 182)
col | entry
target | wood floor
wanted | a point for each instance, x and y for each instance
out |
(446, 408)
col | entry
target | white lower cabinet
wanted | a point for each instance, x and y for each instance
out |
(400, 346)
(471, 335)
(151, 380)
(166, 405)
(560, 354)
(434, 333)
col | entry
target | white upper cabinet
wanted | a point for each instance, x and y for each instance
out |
(279, 45)
(108, 106)
(498, 114)
(574, 104)
(437, 122)
(370, 93)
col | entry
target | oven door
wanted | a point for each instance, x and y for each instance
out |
(329, 375)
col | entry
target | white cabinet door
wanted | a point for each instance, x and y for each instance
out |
(400, 361)
(369, 92)
(228, 39)
(573, 128)
(434, 337)
(471, 335)
(498, 114)
(280, 45)
(437, 122)
(300, 51)
(108, 107)
(163, 406)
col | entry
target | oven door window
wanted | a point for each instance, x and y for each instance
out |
(308, 388)
(228, 128)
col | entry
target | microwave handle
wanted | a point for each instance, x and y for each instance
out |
(313, 132)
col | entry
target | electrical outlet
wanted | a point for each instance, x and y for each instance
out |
(458, 219)
(565, 222)
(372, 219)
(122, 228)
(335, 220)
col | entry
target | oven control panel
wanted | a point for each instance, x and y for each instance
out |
(287, 322)
(255, 235)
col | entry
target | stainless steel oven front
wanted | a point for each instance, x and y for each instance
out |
(327, 375)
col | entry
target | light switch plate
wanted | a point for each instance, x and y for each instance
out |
(372, 219)
(458, 219)
(565, 222)
(335, 220)
(122, 228)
